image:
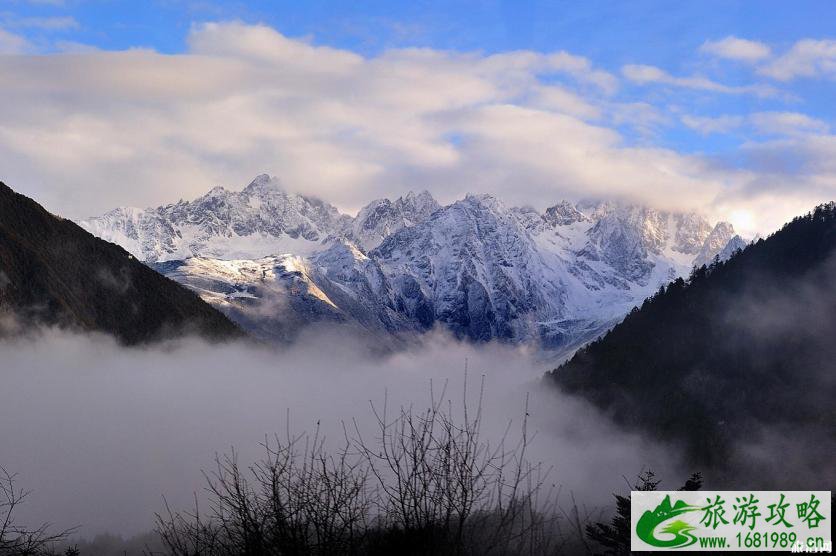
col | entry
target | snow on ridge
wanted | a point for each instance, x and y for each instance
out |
(482, 269)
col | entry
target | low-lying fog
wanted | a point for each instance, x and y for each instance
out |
(101, 433)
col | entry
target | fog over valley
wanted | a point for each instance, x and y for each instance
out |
(101, 432)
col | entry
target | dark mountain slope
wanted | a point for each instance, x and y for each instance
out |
(742, 350)
(54, 272)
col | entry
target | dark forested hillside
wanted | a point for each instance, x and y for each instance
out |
(741, 350)
(53, 272)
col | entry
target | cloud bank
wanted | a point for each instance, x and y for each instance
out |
(101, 433)
(85, 131)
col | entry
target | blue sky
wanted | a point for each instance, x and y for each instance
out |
(610, 33)
(678, 86)
(655, 32)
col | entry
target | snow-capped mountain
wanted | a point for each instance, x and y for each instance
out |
(275, 262)
(381, 218)
(715, 243)
(258, 221)
(734, 245)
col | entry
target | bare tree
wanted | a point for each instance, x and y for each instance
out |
(427, 483)
(18, 540)
(299, 499)
(446, 489)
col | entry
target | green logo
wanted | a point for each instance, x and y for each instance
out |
(681, 531)
(755, 521)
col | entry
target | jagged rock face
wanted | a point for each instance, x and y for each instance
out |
(563, 214)
(466, 265)
(530, 219)
(381, 218)
(716, 241)
(358, 286)
(691, 232)
(273, 298)
(260, 220)
(476, 267)
(628, 238)
(734, 245)
(623, 239)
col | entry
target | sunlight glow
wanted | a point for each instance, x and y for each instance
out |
(744, 221)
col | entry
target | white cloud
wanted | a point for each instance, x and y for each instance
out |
(87, 131)
(763, 123)
(642, 116)
(552, 97)
(581, 68)
(793, 172)
(807, 58)
(787, 123)
(72, 47)
(264, 44)
(734, 48)
(45, 23)
(708, 125)
(247, 99)
(12, 44)
(643, 74)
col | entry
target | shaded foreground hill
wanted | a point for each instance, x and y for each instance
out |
(53, 272)
(741, 353)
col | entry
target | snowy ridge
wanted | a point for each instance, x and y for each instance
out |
(258, 221)
(275, 261)
(382, 217)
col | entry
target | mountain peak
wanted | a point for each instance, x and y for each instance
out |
(485, 200)
(723, 228)
(597, 209)
(258, 221)
(383, 217)
(562, 214)
(217, 191)
(263, 182)
(734, 245)
(721, 235)
(418, 205)
(423, 196)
